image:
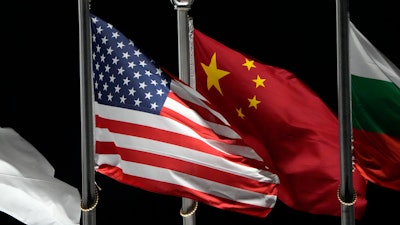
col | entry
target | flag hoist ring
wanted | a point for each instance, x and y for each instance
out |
(96, 200)
(193, 210)
(347, 203)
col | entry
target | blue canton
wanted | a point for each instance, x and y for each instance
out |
(123, 76)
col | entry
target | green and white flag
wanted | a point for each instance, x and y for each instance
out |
(375, 112)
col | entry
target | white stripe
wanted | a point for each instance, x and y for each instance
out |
(159, 122)
(196, 118)
(185, 154)
(184, 92)
(366, 61)
(193, 182)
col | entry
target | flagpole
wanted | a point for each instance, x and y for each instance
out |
(89, 191)
(182, 7)
(346, 193)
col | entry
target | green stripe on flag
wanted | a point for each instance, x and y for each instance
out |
(376, 106)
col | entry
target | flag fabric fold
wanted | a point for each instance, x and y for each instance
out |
(29, 191)
(270, 107)
(375, 112)
(156, 133)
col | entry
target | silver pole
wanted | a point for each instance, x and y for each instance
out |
(89, 191)
(182, 7)
(346, 193)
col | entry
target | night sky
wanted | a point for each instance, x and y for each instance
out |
(40, 82)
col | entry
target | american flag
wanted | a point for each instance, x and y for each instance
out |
(156, 133)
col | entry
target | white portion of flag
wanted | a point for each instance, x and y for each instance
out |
(367, 61)
(29, 191)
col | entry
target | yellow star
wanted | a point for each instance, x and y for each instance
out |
(249, 64)
(240, 113)
(214, 74)
(253, 102)
(259, 81)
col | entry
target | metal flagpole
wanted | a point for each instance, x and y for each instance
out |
(182, 7)
(346, 193)
(89, 190)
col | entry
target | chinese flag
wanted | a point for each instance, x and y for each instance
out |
(283, 119)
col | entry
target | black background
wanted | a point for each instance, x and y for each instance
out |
(40, 82)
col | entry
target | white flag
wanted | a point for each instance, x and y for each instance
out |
(29, 191)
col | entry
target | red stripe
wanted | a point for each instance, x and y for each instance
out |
(173, 138)
(203, 112)
(181, 191)
(204, 132)
(184, 167)
(377, 158)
